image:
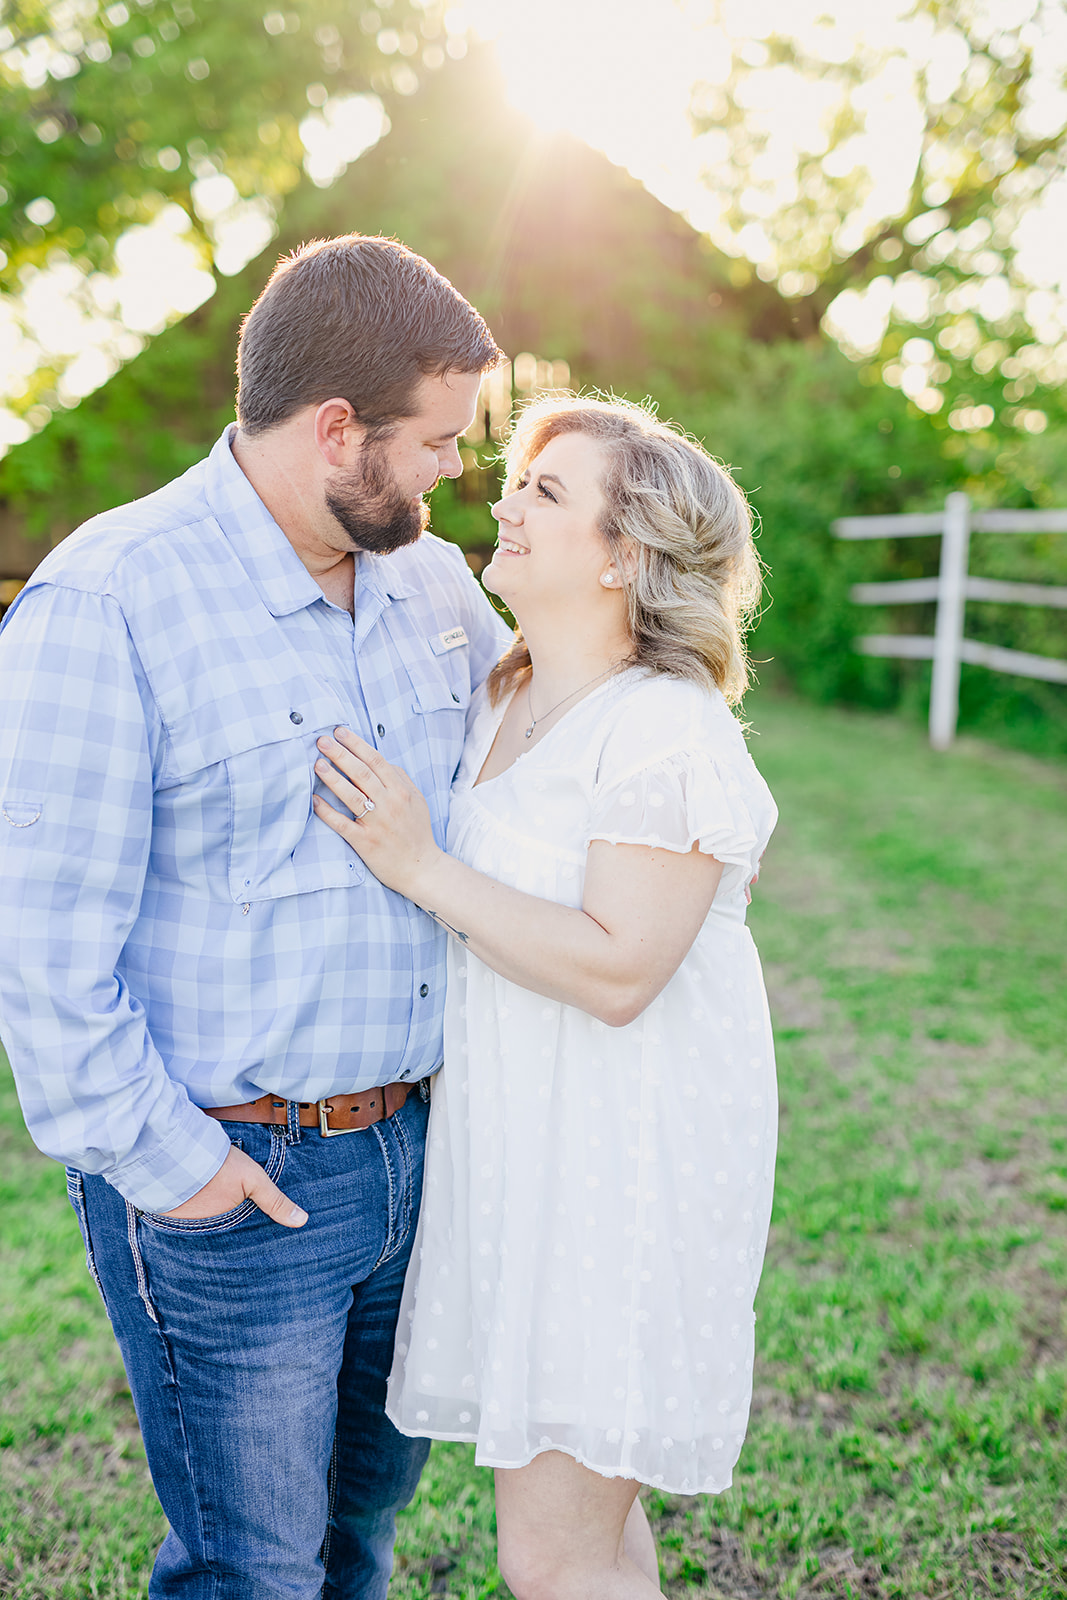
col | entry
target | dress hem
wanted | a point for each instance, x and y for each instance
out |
(482, 1460)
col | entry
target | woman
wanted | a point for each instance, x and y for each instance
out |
(602, 1138)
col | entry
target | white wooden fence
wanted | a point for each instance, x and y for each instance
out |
(952, 588)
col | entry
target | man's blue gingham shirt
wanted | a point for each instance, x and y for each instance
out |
(179, 930)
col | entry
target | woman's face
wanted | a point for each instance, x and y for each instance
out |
(550, 551)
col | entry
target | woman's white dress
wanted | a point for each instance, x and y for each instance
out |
(597, 1199)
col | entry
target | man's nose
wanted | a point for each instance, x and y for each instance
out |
(450, 462)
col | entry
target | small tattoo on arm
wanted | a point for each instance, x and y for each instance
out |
(455, 932)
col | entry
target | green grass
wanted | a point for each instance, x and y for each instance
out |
(908, 1435)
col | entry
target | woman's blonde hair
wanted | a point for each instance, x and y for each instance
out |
(677, 521)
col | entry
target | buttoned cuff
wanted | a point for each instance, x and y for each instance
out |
(172, 1171)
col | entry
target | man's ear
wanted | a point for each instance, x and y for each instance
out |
(339, 434)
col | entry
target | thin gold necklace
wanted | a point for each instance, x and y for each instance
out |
(545, 714)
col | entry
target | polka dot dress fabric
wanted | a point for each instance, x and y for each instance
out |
(597, 1199)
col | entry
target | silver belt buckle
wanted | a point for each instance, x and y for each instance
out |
(331, 1133)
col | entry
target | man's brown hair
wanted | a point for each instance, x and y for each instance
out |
(359, 319)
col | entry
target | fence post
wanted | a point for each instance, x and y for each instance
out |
(948, 633)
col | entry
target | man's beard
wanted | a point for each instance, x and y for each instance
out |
(371, 509)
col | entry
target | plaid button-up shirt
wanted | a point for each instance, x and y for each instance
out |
(179, 930)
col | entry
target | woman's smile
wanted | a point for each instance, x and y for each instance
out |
(551, 514)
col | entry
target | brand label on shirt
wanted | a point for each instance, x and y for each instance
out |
(452, 637)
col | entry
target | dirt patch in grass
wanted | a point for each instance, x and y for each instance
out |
(999, 1566)
(714, 1566)
(55, 1541)
(710, 1565)
(1043, 1318)
(829, 1412)
(840, 1574)
(797, 1004)
(990, 1566)
(435, 1572)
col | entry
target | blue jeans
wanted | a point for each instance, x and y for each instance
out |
(258, 1355)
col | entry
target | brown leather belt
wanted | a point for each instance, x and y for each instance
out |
(337, 1113)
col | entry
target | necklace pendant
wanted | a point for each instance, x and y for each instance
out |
(530, 730)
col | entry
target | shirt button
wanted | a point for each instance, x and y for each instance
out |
(424, 989)
(381, 730)
(294, 716)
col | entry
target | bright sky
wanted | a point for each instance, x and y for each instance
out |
(621, 75)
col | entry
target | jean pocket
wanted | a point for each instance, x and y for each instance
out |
(225, 1220)
(76, 1196)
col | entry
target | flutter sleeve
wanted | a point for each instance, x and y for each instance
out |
(702, 790)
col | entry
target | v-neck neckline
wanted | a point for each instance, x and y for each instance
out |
(523, 755)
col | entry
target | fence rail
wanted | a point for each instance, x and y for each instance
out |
(951, 589)
(907, 589)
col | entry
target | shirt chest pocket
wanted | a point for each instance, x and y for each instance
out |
(438, 721)
(261, 766)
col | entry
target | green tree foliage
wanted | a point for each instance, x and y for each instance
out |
(155, 417)
(108, 111)
(966, 333)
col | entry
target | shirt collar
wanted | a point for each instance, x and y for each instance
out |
(276, 571)
(385, 577)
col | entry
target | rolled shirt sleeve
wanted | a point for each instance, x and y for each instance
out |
(78, 735)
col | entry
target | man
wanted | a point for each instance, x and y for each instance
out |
(201, 988)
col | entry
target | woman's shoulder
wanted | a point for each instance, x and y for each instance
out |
(667, 713)
(656, 721)
(676, 751)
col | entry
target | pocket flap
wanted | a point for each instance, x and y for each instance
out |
(434, 694)
(228, 726)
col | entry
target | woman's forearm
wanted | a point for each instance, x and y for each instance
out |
(554, 950)
(641, 910)
(642, 907)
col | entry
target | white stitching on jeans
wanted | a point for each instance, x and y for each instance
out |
(76, 1193)
(331, 1507)
(138, 1263)
(407, 1173)
(390, 1246)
